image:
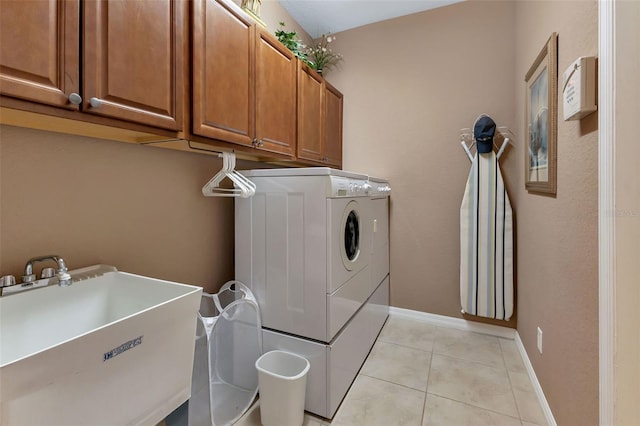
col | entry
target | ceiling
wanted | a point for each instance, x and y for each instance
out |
(319, 17)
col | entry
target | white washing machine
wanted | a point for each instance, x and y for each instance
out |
(303, 246)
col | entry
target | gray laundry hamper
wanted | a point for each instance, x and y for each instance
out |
(228, 343)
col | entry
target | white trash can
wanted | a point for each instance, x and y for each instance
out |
(282, 382)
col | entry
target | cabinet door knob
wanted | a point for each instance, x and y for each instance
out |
(95, 102)
(260, 142)
(75, 99)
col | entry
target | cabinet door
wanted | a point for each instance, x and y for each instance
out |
(133, 60)
(332, 132)
(40, 50)
(223, 66)
(310, 93)
(275, 95)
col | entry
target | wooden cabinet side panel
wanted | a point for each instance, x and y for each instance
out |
(310, 95)
(133, 60)
(332, 132)
(223, 67)
(276, 69)
(39, 50)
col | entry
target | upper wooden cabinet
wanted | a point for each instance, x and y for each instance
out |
(127, 63)
(319, 119)
(40, 51)
(275, 95)
(132, 54)
(223, 72)
(244, 80)
(310, 93)
(133, 60)
(332, 126)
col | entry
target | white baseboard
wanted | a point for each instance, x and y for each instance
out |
(457, 323)
(536, 384)
(493, 330)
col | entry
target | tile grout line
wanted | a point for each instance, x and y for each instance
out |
(426, 390)
(433, 347)
(404, 346)
(484, 365)
(433, 353)
(472, 405)
(393, 383)
(515, 400)
(469, 360)
(475, 406)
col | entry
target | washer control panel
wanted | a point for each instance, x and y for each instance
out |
(347, 187)
(380, 189)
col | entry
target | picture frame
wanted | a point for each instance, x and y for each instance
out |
(541, 121)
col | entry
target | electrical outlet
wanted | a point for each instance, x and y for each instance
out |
(540, 340)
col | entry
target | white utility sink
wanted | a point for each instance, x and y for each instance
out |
(111, 349)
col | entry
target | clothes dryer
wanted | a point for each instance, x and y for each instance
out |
(302, 245)
(379, 192)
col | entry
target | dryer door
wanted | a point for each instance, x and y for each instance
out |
(350, 236)
(349, 285)
(349, 239)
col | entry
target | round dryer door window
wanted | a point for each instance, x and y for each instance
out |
(350, 248)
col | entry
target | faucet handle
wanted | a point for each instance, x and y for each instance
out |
(7, 281)
(47, 272)
(29, 278)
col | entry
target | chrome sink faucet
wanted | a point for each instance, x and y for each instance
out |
(64, 279)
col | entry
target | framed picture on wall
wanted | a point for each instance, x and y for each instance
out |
(541, 121)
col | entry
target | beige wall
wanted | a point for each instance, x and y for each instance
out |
(627, 200)
(94, 201)
(410, 84)
(558, 237)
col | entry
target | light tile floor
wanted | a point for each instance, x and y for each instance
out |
(419, 374)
